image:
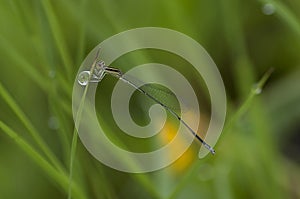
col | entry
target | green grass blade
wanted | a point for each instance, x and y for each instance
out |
(257, 89)
(25, 66)
(285, 14)
(75, 134)
(58, 37)
(58, 177)
(29, 126)
(72, 157)
(82, 32)
(242, 110)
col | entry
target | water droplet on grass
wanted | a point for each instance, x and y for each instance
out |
(83, 78)
(53, 123)
(52, 74)
(257, 90)
(268, 9)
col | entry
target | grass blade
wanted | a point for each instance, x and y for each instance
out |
(29, 126)
(285, 14)
(257, 89)
(58, 37)
(58, 177)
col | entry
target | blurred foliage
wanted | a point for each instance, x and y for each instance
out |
(43, 44)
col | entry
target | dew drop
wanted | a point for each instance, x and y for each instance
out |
(52, 74)
(83, 78)
(268, 9)
(53, 123)
(257, 90)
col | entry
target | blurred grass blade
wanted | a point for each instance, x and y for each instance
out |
(285, 14)
(257, 89)
(58, 37)
(72, 157)
(29, 126)
(25, 66)
(58, 177)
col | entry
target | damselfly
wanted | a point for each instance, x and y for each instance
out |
(99, 69)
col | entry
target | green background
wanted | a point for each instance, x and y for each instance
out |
(42, 44)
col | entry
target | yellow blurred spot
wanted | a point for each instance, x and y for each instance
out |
(191, 154)
(167, 135)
